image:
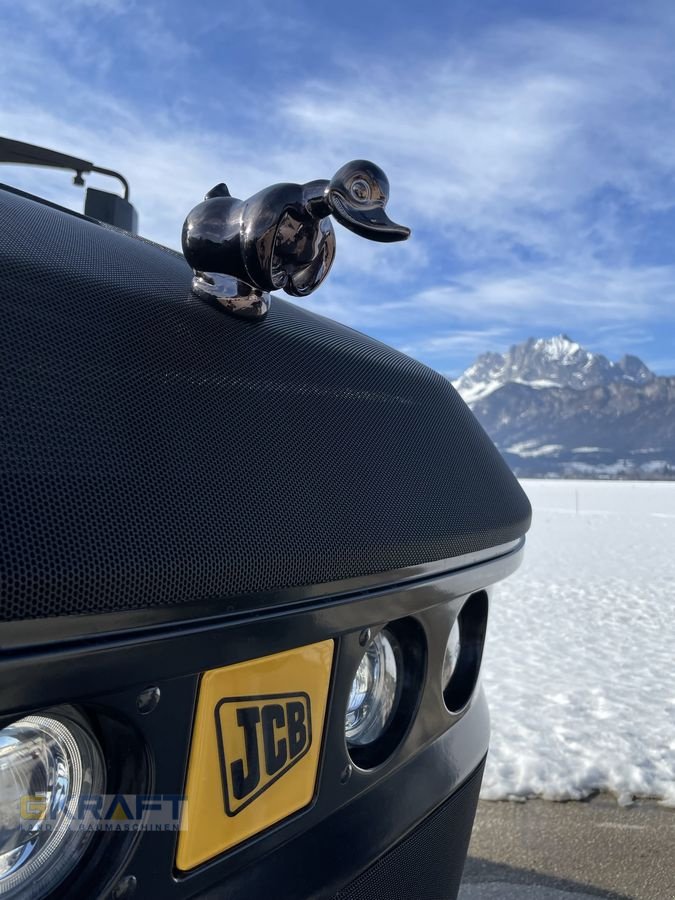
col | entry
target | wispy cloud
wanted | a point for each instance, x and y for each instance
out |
(472, 341)
(545, 294)
(507, 142)
(535, 161)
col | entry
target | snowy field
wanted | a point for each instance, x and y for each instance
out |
(580, 660)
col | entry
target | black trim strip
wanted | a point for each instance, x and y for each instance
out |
(117, 661)
(52, 632)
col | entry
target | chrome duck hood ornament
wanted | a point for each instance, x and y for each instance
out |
(282, 237)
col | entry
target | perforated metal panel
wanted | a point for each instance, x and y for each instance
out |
(154, 450)
(428, 864)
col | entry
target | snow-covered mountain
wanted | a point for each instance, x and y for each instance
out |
(548, 363)
(554, 408)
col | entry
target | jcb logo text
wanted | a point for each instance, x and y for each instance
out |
(259, 740)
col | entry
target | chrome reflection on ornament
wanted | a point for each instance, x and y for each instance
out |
(282, 237)
(235, 296)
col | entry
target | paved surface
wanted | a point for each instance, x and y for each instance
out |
(558, 851)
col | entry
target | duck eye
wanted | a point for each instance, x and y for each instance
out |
(360, 190)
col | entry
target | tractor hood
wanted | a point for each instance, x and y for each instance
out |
(156, 451)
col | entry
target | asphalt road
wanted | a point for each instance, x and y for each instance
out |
(558, 851)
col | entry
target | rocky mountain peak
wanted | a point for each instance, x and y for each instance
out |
(554, 408)
(635, 370)
(560, 347)
(554, 362)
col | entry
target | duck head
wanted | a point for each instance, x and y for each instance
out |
(357, 195)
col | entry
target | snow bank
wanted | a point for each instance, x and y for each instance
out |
(580, 659)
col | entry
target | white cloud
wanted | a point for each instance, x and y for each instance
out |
(602, 294)
(497, 151)
(471, 341)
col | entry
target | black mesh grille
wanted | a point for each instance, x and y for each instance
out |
(155, 450)
(428, 864)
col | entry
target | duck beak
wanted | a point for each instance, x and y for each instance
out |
(372, 223)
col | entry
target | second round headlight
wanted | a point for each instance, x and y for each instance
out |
(373, 694)
(451, 656)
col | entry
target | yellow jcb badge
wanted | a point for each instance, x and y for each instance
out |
(259, 739)
(255, 748)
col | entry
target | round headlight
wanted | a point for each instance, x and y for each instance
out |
(451, 656)
(48, 767)
(373, 693)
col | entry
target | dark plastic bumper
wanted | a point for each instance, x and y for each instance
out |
(427, 864)
(356, 829)
(407, 839)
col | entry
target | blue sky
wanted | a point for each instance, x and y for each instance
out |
(529, 145)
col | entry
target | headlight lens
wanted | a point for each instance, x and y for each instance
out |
(47, 768)
(451, 656)
(373, 694)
